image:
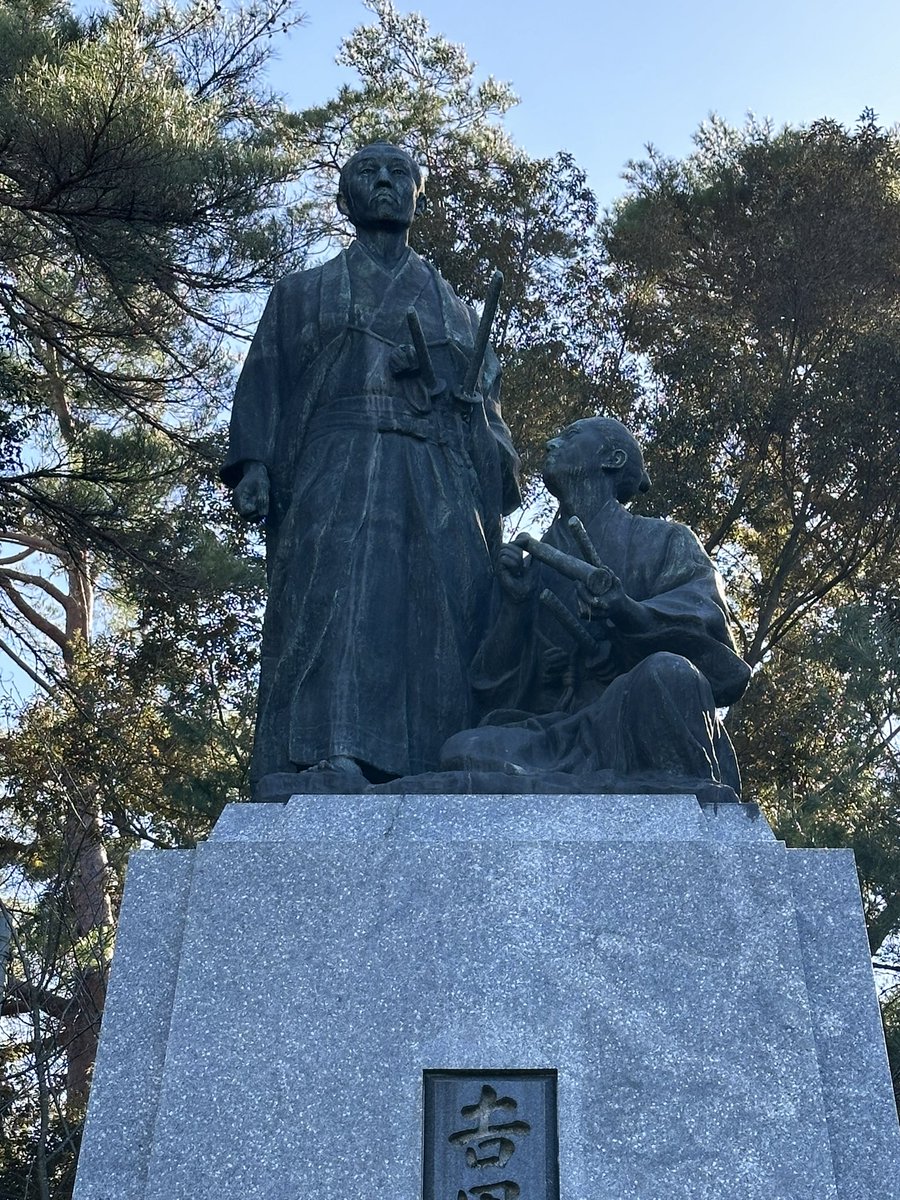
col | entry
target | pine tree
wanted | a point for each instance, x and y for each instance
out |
(142, 193)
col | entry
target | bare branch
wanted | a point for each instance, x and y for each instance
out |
(22, 998)
(40, 622)
(23, 666)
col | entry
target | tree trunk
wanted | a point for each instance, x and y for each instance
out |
(86, 893)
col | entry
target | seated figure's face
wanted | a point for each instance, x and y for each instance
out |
(575, 451)
(595, 448)
(381, 189)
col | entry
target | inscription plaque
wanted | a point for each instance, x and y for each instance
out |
(490, 1135)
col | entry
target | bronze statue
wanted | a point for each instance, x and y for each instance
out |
(366, 432)
(611, 650)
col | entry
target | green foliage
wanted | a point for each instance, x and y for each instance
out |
(144, 170)
(760, 280)
(757, 284)
(156, 732)
(140, 198)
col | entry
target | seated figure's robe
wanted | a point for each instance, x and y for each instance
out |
(384, 515)
(643, 704)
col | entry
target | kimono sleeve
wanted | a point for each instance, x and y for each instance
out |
(259, 394)
(687, 614)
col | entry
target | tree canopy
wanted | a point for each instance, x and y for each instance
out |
(143, 177)
(756, 285)
(739, 308)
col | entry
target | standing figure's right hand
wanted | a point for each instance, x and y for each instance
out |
(251, 494)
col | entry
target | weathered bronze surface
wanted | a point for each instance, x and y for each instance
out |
(611, 650)
(369, 438)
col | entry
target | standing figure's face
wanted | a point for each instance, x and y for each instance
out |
(380, 189)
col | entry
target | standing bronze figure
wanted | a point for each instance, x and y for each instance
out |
(369, 438)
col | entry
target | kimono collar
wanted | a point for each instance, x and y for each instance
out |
(604, 513)
(357, 247)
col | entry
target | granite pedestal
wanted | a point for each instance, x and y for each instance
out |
(701, 998)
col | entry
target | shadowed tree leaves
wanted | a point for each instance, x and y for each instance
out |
(762, 278)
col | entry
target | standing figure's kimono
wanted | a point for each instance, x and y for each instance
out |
(645, 704)
(384, 515)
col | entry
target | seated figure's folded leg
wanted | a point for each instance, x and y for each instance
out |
(661, 717)
(523, 746)
(658, 722)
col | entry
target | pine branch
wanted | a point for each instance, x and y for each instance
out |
(36, 545)
(38, 581)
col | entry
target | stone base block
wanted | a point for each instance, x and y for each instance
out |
(699, 997)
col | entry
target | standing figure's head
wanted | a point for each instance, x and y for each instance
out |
(596, 450)
(381, 186)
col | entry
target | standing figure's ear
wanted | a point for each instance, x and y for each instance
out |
(423, 204)
(342, 206)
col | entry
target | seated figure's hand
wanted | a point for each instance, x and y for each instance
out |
(516, 580)
(251, 494)
(614, 606)
(555, 663)
(605, 605)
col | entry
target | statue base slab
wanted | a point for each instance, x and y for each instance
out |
(285, 785)
(702, 997)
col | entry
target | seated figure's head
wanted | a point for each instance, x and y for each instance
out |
(380, 185)
(591, 447)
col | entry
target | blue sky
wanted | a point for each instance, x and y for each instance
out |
(602, 79)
